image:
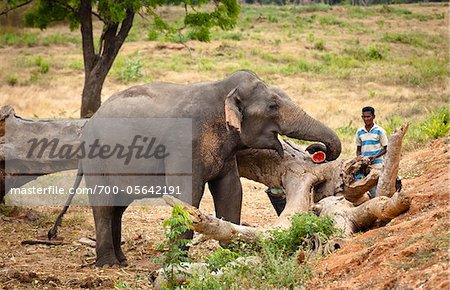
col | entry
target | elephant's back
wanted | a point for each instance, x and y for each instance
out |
(159, 100)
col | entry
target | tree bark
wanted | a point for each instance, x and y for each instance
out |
(386, 184)
(98, 64)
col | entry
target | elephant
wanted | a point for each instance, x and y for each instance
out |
(238, 112)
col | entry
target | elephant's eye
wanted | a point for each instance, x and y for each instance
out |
(273, 108)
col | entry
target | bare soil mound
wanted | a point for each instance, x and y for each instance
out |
(412, 250)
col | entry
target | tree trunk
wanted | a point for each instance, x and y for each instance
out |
(92, 90)
(98, 64)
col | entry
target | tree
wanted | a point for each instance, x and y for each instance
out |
(117, 17)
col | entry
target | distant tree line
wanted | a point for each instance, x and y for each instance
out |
(335, 2)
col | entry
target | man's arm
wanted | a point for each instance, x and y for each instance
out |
(382, 152)
(358, 150)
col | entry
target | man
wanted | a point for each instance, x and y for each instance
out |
(371, 141)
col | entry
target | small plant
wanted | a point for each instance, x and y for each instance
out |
(273, 19)
(310, 37)
(132, 70)
(319, 45)
(12, 80)
(220, 258)
(42, 64)
(121, 285)
(175, 253)
(152, 34)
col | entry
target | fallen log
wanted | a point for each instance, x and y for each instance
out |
(22, 166)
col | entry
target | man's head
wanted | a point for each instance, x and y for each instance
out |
(368, 115)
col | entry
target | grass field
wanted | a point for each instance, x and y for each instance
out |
(331, 60)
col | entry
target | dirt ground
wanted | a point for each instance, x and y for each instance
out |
(409, 252)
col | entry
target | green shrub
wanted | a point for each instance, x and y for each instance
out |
(175, 254)
(220, 258)
(12, 80)
(132, 70)
(366, 54)
(304, 227)
(152, 34)
(319, 45)
(42, 64)
(437, 123)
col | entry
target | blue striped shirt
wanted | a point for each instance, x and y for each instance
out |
(372, 142)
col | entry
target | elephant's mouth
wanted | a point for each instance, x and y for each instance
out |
(278, 146)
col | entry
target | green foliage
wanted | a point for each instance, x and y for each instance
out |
(304, 227)
(347, 132)
(132, 70)
(22, 39)
(366, 54)
(42, 64)
(220, 258)
(175, 254)
(12, 80)
(152, 34)
(320, 44)
(277, 266)
(437, 124)
(391, 124)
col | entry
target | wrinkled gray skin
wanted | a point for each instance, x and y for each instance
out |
(263, 113)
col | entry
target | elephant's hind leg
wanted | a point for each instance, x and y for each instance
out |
(103, 217)
(117, 234)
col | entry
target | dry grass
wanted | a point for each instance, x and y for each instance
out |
(324, 60)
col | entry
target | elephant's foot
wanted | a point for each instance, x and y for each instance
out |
(121, 258)
(107, 261)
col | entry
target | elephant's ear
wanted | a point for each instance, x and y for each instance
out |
(233, 116)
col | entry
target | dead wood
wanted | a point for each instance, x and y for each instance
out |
(16, 161)
(42, 242)
(386, 184)
(214, 228)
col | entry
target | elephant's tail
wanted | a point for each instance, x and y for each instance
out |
(54, 230)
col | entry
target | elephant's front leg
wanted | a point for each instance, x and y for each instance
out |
(103, 217)
(227, 194)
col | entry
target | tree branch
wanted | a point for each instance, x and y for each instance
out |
(7, 10)
(89, 55)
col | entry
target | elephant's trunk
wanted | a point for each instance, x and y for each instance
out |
(297, 124)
